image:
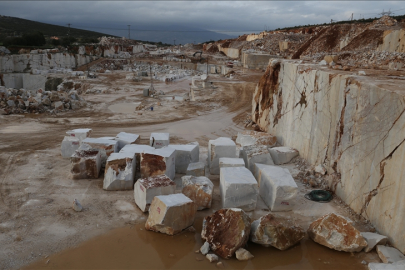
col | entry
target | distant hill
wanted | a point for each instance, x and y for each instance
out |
(9, 26)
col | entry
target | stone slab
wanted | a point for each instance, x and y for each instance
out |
(231, 162)
(238, 188)
(170, 214)
(69, 146)
(282, 155)
(277, 188)
(145, 189)
(220, 147)
(119, 172)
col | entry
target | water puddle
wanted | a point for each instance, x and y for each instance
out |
(135, 248)
(165, 97)
(124, 107)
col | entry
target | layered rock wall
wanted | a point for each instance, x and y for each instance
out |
(393, 41)
(354, 125)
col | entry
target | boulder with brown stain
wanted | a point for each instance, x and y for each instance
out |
(336, 232)
(279, 232)
(226, 231)
(170, 214)
(85, 164)
(199, 190)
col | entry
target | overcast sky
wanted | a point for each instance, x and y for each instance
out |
(240, 16)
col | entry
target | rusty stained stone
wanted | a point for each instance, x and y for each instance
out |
(86, 164)
(226, 231)
(279, 232)
(336, 232)
(199, 190)
(152, 165)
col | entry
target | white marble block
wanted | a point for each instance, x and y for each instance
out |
(199, 190)
(185, 154)
(277, 188)
(125, 138)
(196, 169)
(221, 147)
(119, 172)
(85, 163)
(170, 214)
(158, 161)
(238, 188)
(258, 172)
(231, 162)
(106, 147)
(159, 140)
(80, 133)
(145, 189)
(69, 146)
(256, 154)
(282, 155)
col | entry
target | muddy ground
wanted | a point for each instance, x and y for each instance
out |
(36, 189)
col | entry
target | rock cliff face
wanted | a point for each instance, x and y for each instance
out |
(353, 125)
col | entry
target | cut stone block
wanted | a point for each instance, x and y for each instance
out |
(256, 154)
(69, 146)
(279, 232)
(238, 188)
(277, 188)
(373, 239)
(86, 164)
(158, 161)
(146, 189)
(170, 214)
(159, 140)
(258, 172)
(124, 138)
(196, 169)
(231, 162)
(282, 155)
(249, 137)
(136, 149)
(119, 172)
(106, 147)
(336, 232)
(221, 147)
(185, 154)
(389, 254)
(80, 133)
(199, 190)
(226, 231)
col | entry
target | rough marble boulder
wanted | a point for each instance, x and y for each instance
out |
(221, 147)
(119, 172)
(336, 232)
(185, 154)
(199, 190)
(389, 254)
(250, 137)
(69, 146)
(279, 232)
(196, 169)
(136, 149)
(373, 239)
(80, 133)
(85, 163)
(125, 138)
(277, 188)
(253, 154)
(400, 265)
(231, 162)
(158, 161)
(282, 155)
(170, 214)
(243, 255)
(146, 189)
(238, 188)
(159, 140)
(226, 231)
(105, 146)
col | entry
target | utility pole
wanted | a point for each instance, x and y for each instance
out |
(129, 31)
(351, 17)
(174, 42)
(68, 29)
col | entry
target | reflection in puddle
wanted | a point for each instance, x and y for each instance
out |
(124, 107)
(135, 248)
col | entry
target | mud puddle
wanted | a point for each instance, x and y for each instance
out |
(135, 248)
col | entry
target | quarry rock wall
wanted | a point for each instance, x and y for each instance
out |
(393, 41)
(26, 62)
(352, 125)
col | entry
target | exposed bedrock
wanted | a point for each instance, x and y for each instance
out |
(353, 125)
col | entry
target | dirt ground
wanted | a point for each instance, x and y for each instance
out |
(36, 189)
